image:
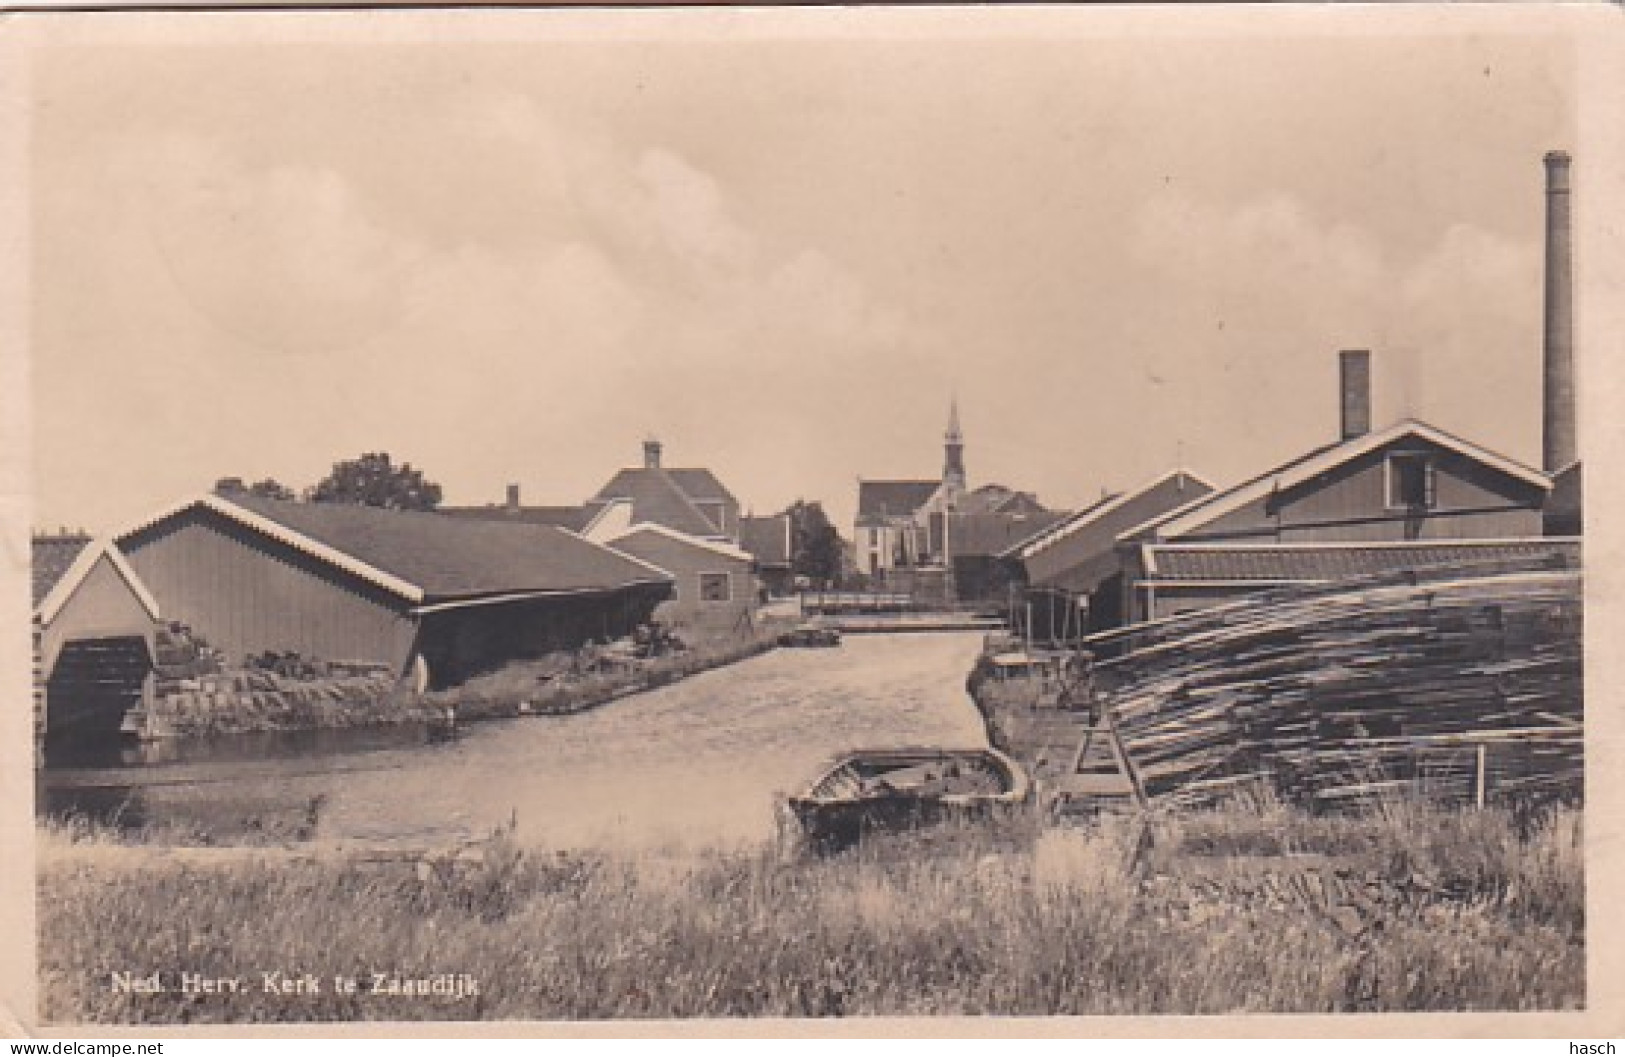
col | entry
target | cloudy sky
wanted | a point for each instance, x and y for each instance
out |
(507, 249)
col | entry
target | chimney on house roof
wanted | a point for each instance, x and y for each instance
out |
(1354, 388)
(1559, 446)
(513, 499)
(651, 454)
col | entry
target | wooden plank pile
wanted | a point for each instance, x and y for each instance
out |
(1463, 684)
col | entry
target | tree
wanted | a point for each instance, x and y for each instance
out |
(373, 480)
(268, 488)
(815, 545)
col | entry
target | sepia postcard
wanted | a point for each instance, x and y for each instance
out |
(665, 519)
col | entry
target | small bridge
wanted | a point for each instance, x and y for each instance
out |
(876, 611)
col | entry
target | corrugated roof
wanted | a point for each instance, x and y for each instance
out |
(894, 498)
(766, 537)
(51, 558)
(443, 557)
(656, 497)
(1275, 563)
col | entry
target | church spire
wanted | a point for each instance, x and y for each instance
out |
(953, 460)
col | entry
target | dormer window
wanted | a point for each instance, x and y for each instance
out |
(715, 512)
(1410, 481)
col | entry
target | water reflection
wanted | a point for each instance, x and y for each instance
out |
(113, 754)
(701, 762)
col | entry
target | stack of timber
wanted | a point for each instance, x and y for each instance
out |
(1462, 684)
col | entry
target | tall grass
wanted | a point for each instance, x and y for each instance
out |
(1471, 911)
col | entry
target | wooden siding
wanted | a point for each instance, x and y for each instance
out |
(1081, 561)
(1350, 504)
(102, 606)
(687, 562)
(247, 594)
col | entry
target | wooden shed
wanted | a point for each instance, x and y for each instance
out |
(1074, 564)
(437, 597)
(94, 626)
(1407, 496)
(715, 583)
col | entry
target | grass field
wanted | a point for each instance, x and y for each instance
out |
(1258, 909)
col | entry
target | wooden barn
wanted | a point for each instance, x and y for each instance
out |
(94, 627)
(435, 597)
(1070, 573)
(715, 584)
(1407, 496)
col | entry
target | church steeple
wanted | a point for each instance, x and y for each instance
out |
(953, 447)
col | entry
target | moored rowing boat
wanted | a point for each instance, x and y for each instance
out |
(891, 789)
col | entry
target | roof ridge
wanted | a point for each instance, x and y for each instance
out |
(89, 556)
(1058, 531)
(1225, 500)
(684, 537)
(426, 557)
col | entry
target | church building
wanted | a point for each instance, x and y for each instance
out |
(909, 530)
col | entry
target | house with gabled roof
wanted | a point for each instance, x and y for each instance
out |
(688, 499)
(1411, 494)
(436, 598)
(685, 498)
(714, 584)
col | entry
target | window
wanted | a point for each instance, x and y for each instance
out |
(715, 587)
(1410, 481)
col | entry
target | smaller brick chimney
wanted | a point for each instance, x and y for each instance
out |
(651, 454)
(1354, 389)
(513, 498)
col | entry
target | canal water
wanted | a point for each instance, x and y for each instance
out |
(700, 763)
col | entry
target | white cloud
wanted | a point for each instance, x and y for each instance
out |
(505, 298)
(1271, 291)
(684, 208)
(285, 259)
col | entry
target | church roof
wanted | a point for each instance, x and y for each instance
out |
(882, 499)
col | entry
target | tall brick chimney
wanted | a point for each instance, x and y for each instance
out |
(1354, 392)
(651, 454)
(1559, 447)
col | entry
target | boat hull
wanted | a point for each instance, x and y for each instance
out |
(891, 791)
